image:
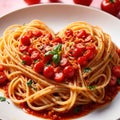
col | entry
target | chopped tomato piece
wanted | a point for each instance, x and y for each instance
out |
(49, 36)
(69, 32)
(116, 71)
(118, 51)
(82, 61)
(68, 71)
(29, 34)
(3, 78)
(38, 67)
(23, 48)
(57, 40)
(78, 51)
(88, 38)
(25, 40)
(47, 58)
(64, 62)
(113, 81)
(48, 71)
(37, 33)
(27, 60)
(81, 34)
(59, 77)
(35, 55)
(31, 49)
(1, 68)
(89, 54)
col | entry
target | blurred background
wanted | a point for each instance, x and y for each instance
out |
(7, 6)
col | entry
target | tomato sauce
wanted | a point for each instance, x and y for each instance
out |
(79, 111)
(76, 112)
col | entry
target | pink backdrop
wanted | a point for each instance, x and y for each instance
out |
(7, 6)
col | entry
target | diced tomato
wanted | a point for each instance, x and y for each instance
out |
(37, 33)
(23, 48)
(88, 38)
(25, 40)
(47, 58)
(82, 61)
(89, 54)
(81, 34)
(59, 77)
(69, 32)
(27, 60)
(57, 40)
(49, 36)
(113, 81)
(29, 34)
(38, 67)
(116, 71)
(118, 51)
(35, 55)
(3, 78)
(1, 68)
(64, 62)
(91, 47)
(31, 49)
(48, 71)
(68, 71)
(78, 51)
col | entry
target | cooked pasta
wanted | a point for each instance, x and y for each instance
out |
(58, 72)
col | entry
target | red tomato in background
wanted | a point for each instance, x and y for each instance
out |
(83, 2)
(30, 2)
(111, 6)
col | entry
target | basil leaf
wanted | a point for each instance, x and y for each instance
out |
(57, 48)
(2, 99)
(49, 53)
(56, 58)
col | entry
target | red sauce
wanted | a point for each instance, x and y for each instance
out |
(77, 112)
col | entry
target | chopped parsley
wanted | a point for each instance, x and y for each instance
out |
(29, 83)
(86, 70)
(77, 109)
(2, 99)
(92, 87)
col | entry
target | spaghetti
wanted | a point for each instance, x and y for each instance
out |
(57, 72)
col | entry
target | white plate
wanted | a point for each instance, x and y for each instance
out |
(57, 16)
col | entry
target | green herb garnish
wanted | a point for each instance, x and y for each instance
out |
(118, 81)
(23, 62)
(92, 87)
(110, 56)
(29, 83)
(56, 53)
(2, 99)
(86, 70)
(77, 110)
